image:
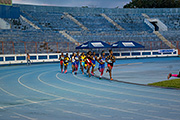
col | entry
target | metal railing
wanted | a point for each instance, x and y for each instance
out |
(22, 47)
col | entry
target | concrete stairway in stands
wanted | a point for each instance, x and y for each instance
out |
(69, 37)
(160, 35)
(76, 21)
(29, 22)
(111, 21)
(164, 39)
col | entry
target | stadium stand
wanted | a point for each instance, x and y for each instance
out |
(60, 28)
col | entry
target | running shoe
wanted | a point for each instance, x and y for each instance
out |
(169, 75)
(65, 71)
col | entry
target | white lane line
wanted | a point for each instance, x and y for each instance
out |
(24, 116)
(16, 96)
(49, 95)
(39, 102)
(157, 92)
(121, 93)
(94, 105)
(33, 88)
(69, 112)
(97, 96)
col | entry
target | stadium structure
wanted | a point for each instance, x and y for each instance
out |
(50, 29)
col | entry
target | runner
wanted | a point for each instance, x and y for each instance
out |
(66, 62)
(89, 63)
(101, 62)
(61, 58)
(76, 62)
(173, 75)
(94, 58)
(110, 61)
(73, 62)
(82, 62)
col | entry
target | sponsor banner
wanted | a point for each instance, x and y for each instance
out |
(97, 44)
(166, 51)
(84, 45)
(128, 44)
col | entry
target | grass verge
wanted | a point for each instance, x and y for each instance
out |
(175, 83)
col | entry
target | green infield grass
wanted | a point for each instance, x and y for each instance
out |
(175, 83)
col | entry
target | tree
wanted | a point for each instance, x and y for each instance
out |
(153, 4)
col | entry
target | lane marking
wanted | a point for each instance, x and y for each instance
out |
(97, 96)
(95, 105)
(69, 112)
(24, 116)
(110, 91)
(156, 92)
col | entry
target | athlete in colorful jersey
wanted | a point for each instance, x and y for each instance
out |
(94, 58)
(61, 58)
(76, 62)
(66, 61)
(101, 62)
(88, 63)
(173, 75)
(73, 62)
(82, 62)
(110, 61)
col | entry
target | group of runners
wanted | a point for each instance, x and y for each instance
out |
(88, 62)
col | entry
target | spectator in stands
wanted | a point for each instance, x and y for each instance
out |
(173, 75)
(28, 59)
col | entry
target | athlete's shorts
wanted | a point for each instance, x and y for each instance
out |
(83, 64)
(65, 64)
(88, 64)
(73, 63)
(61, 62)
(109, 65)
(93, 63)
(76, 67)
(101, 69)
(77, 63)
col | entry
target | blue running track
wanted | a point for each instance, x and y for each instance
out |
(41, 92)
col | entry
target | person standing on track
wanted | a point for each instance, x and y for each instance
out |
(101, 61)
(28, 59)
(173, 75)
(61, 58)
(66, 62)
(94, 58)
(110, 61)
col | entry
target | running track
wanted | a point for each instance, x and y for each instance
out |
(41, 92)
